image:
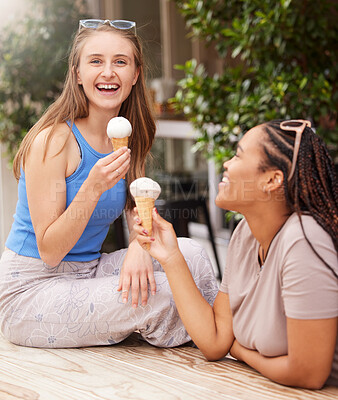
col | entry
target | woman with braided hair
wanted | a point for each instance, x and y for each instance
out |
(277, 305)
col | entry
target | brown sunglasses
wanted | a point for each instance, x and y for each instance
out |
(298, 126)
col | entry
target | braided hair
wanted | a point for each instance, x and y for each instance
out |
(313, 188)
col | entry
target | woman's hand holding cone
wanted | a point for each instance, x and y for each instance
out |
(162, 244)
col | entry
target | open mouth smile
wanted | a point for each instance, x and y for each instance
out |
(107, 88)
(225, 179)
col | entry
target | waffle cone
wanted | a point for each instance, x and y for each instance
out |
(118, 143)
(145, 207)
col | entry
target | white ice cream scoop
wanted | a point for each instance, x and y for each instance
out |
(145, 187)
(119, 127)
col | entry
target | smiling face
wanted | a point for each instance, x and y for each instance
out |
(243, 181)
(107, 70)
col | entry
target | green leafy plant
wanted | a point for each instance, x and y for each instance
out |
(33, 62)
(279, 61)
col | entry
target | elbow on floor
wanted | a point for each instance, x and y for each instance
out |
(214, 355)
(314, 384)
(314, 381)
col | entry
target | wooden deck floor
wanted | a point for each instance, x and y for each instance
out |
(134, 370)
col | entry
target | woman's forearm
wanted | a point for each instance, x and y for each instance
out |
(210, 332)
(279, 369)
(130, 223)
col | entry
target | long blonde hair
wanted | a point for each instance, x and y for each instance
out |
(73, 104)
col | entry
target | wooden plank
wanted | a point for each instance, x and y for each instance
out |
(97, 380)
(76, 374)
(134, 370)
(226, 377)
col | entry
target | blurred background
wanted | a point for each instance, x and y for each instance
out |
(215, 69)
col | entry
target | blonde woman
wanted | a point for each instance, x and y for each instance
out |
(56, 288)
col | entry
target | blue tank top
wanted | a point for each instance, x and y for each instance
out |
(22, 238)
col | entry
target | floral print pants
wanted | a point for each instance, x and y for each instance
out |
(77, 304)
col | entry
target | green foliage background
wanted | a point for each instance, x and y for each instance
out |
(33, 63)
(280, 61)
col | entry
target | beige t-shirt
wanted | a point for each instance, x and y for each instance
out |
(293, 282)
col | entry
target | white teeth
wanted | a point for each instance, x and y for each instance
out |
(109, 87)
(225, 179)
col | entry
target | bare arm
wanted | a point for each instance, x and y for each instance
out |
(57, 229)
(209, 327)
(137, 269)
(311, 347)
(130, 215)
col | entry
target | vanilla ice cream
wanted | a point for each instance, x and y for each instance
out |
(118, 128)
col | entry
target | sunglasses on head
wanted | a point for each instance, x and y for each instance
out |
(297, 126)
(117, 24)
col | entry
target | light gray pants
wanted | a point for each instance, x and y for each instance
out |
(77, 304)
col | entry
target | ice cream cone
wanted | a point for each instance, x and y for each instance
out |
(145, 207)
(118, 130)
(145, 191)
